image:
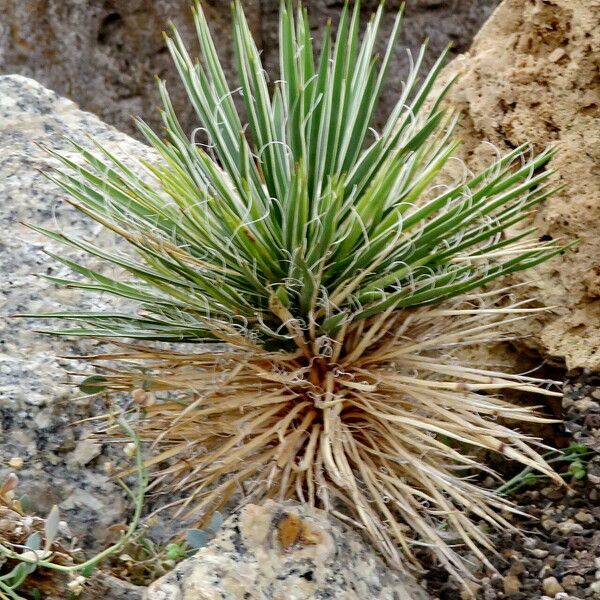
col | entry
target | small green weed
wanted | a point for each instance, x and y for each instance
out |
(42, 548)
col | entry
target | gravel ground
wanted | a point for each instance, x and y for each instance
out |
(558, 555)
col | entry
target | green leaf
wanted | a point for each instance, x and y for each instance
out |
(51, 525)
(197, 538)
(577, 470)
(34, 541)
(175, 552)
(93, 384)
(25, 503)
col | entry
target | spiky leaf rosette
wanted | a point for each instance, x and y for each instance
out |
(337, 268)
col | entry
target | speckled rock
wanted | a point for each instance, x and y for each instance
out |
(105, 53)
(284, 552)
(54, 460)
(532, 75)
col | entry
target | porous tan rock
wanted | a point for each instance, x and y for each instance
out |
(284, 552)
(533, 74)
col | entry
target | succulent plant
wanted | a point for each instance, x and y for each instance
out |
(324, 279)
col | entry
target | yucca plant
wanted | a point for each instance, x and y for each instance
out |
(330, 276)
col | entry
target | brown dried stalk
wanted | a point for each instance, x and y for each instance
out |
(376, 427)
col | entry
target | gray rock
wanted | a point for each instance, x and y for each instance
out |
(104, 54)
(37, 404)
(284, 551)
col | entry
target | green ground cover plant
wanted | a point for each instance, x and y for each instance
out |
(33, 545)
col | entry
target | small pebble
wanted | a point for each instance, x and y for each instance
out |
(552, 587)
(569, 527)
(585, 405)
(517, 568)
(549, 524)
(594, 478)
(130, 449)
(539, 553)
(544, 571)
(511, 585)
(584, 517)
(16, 462)
(570, 582)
